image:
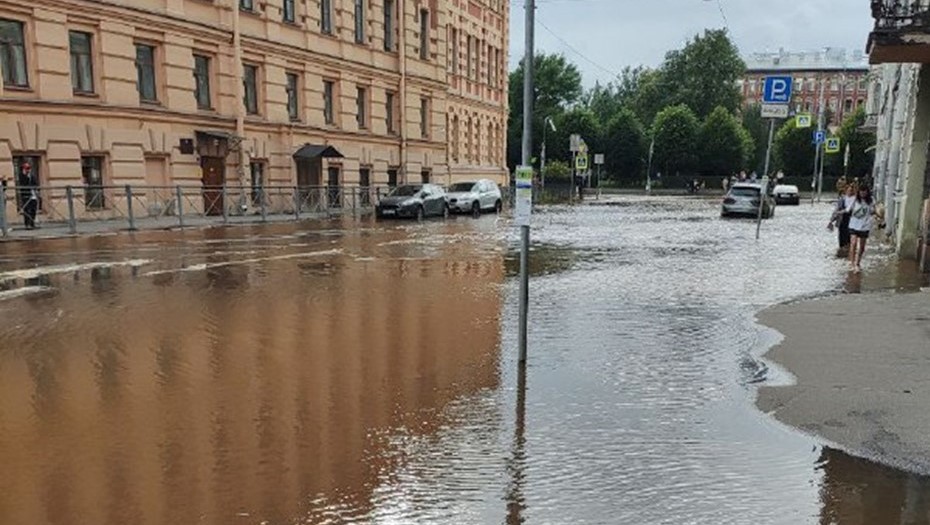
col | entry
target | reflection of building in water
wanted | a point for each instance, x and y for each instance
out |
(859, 492)
(253, 389)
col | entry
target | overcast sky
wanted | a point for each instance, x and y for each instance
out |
(612, 34)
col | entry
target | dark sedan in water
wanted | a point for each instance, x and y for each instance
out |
(415, 201)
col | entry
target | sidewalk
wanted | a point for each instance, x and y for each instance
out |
(101, 227)
(862, 364)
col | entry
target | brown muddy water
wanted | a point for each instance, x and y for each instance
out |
(354, 372)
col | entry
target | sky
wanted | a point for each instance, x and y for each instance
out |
(603, 36)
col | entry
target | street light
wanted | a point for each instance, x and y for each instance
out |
(542, 157)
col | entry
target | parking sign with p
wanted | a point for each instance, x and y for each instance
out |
(777, 90)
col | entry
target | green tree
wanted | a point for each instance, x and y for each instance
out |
(624, 146)
(758, 130)
(861, 156)
(581, 121)
(675, 130)
(557, 87)
(793, 151)
(704, 74)
(558, 170)
(603, 101)
(722, 144)
(649, 96)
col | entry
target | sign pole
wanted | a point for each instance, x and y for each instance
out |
(765, 178)
(527, 153)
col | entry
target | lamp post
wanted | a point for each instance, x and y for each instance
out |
(542, 156)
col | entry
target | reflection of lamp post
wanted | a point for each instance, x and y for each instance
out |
(542, 157)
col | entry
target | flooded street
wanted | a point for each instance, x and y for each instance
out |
(360, 372)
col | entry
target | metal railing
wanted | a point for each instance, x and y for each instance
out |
(133, 207)
(892, 15)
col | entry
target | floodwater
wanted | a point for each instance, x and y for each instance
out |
(354, 372)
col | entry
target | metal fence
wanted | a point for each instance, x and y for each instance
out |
(88, 208)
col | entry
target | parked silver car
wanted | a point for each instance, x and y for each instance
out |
(474, 197)
(744, 199)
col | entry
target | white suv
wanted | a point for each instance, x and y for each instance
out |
(474, 197)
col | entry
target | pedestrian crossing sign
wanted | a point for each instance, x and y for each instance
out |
(581, 162)
(804, 121)
(833, 145)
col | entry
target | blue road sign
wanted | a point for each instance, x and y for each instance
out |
(820, 137)
(777, 90)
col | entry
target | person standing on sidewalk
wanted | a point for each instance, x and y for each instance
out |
(28, 194)
(861, 220)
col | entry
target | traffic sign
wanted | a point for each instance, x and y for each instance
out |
(774, 111)
(523, 205)
(777, 90)
(581, 162)
(574, 143)
(805, 121)
(820, 137)
(599, 159)
(833, 145)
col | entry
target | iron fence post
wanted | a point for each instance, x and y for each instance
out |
(132, 218)
(296, 203)
(354, 202)
(3, 226)
(223, 202)
(180, 197)
(261, 195)
(72, 222)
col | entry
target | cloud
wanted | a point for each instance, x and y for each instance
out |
(604, 36)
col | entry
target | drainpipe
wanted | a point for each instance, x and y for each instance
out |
(402, 44)
(240, 97)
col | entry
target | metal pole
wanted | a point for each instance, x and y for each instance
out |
(823, 158)
(223, 204)
(530, 7)
(542, 162)
(765, 178)
(180, 196)
(296, 203)
(261, 192)
(132, 218)
(72, 222)
(3, 226)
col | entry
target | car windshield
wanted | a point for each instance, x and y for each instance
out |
(405, 191)
(744, 192)
(461, 187)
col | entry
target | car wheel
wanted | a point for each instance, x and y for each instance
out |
(498, 207)
(476, 209)
(420, 214)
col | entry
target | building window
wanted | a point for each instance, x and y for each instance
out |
(145, 72)
(834, 85)
(847, 105)
(257, 174)
(424, 34)
(293, 96)
(860, 103)
(359, 21)
(82, 65)
(287, 11)
(468, 57)
(389, 102)
(202, 81)
(424, 118)
(328, 92)
(455, 138)
(246, 5)
(389, 25)
(249, 81)
(364, 183)
(361, 100)
(326, 16)
(392, 177)
(13, 54)
(454, 37)
(425, 176)
(92, 175)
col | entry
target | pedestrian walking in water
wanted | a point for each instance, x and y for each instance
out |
(28, 194)
(726, 184)
(840, 219)
(861, 220)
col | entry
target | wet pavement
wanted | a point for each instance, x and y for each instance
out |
(358, 372)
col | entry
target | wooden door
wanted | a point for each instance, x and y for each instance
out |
(214, 176)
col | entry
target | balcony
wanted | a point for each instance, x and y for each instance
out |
(902, 32)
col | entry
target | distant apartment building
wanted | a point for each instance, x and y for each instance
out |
(835, 76)
(253, 92)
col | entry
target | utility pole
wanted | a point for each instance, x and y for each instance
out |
(817, 181)
(526, 158)
(652, 149)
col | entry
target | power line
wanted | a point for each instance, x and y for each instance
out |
(613, 74)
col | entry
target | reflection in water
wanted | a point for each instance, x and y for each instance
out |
(859, 492)
(248, 392)
(516, 467)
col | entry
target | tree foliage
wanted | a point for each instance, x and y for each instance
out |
(794, 153)
(758, 130)
(624, 145)
(703, 75)
(861, 156)
(676, 133)
(723, 144)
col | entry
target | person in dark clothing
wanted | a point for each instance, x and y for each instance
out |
(841, 217)
(28, 195)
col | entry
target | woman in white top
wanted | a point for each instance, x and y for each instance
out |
(861, 219)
